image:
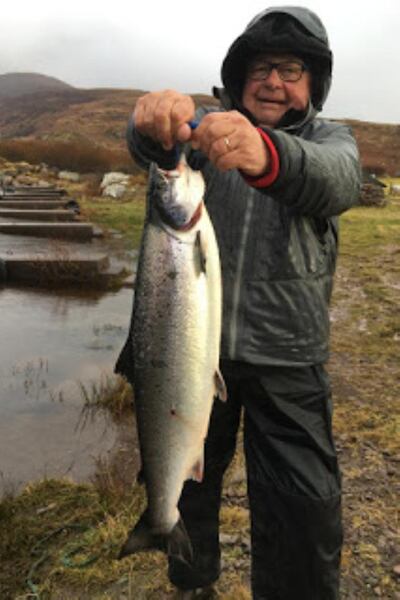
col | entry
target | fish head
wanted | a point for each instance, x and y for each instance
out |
(177, 196)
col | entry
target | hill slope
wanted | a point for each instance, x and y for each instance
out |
(17, 84)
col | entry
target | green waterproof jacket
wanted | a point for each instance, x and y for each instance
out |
(278, 245)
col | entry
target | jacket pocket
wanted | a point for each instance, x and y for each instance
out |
(299, 249)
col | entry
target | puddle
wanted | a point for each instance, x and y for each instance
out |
(50, 344)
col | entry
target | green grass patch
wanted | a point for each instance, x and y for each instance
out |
(125, 216)
(369, 229)
(370, 257)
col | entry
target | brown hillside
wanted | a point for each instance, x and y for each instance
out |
(100, 116)
(379, 146)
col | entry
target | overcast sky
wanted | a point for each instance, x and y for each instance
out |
(180, 44)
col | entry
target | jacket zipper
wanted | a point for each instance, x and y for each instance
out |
(237, 287)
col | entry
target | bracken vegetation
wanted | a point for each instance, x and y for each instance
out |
(80, 156)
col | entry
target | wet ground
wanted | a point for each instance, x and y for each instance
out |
(55, 346)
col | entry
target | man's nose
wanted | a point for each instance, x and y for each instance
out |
(273, 79)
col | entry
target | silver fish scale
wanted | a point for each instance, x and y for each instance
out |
(176, 339)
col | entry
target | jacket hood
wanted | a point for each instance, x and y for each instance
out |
(287, 28)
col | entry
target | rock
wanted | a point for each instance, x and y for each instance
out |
(6, 180)
(372, 195)
(114, 177)
(24, 167)
(10, 170)
(396, 570)
(395, 189)
(23, 180)
(69, 176)
(115, 190)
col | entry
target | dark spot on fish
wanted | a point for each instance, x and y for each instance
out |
(173, 412)
(172, 274)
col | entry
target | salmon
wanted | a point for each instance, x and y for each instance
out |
(175, 341)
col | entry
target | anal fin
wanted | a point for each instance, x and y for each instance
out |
(197, 471)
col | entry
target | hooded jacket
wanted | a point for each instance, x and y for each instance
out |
(278, 242)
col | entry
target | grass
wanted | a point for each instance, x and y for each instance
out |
(126, 216)
(365, 375)
(370, 261)
(111, 394)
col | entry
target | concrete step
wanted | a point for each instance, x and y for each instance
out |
(23, 197)
(51, 269)
(81, 232)
(32, 204)
(33, 191)
(37, 215)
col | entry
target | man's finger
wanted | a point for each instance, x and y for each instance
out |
(184, 133)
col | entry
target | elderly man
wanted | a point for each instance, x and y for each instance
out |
(277, 178)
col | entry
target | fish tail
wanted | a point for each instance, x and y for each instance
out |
(175, 544)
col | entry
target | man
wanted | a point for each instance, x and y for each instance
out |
(277, 178)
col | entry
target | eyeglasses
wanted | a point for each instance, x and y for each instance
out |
(287, 71)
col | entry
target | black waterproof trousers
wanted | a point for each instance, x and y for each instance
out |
(293, 485)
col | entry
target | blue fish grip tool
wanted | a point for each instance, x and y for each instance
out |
(193, 125)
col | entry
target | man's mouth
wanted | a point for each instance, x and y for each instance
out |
(271, 101)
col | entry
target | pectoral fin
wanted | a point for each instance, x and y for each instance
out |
(220, 387)
(201, 251)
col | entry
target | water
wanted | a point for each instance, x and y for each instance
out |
(51, 343)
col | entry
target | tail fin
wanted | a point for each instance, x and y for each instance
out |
(176, 544)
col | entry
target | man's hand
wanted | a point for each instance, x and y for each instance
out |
(230, 141)
(163, 116)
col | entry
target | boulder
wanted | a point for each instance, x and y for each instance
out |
(69, 176)
(372, 195)
(24, 180)
(43, 183)
(114, 177)
(395, 189)
(10, 170)
(115, 190)
(6, 180)
(23, 168)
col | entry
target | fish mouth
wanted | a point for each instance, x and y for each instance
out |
(194, 220)
(176, 218)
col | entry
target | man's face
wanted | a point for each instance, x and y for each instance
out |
(268, 98)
